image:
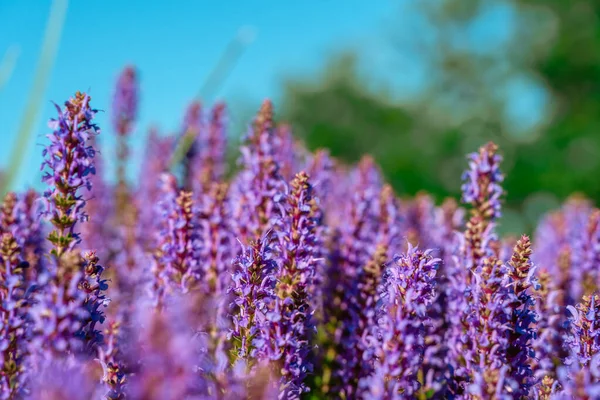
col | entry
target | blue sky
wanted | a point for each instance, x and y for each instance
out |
(174, 47)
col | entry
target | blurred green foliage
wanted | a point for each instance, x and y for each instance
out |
(420, 141)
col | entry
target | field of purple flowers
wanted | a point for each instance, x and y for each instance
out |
(293, 276)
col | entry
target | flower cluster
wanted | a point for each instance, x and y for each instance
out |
(293, 276)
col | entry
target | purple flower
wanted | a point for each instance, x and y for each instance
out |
(21, 218)
(65, 380)
(301, 256)
(487, 328)
(216, 235)
(111, 359)
(258, 190)
(253, 284)
(577, 382)
(354, 247)
(70, 300)
(547, 345)
(420, 215)
(125, 102)
(523, 317)
(209, 163)
(288, 152)
(583, 340)
(14, 332)
(178, 241)
(97, 233)
(68, 307)
(398, 341)
(164, 352)
(69, 160)
(482, 180)
(155, 162)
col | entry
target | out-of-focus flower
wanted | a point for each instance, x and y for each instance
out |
(482, 182)
(176, 264)
(65, 380)
(258, 191)
(547, 345)
(155, 162)
(398, 339)
(576, 382)
(125, 101)
(353, 248)
(208, 164)
(13, 319)
(584, 338)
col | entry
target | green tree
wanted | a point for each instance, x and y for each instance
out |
(479, 58)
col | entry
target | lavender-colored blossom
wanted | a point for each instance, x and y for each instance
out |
(71, 299)
(258, 190)
(563, 243)
(523, 317)
(164, 352)
(155, 162)
(398, 340)
(547, 345)
(65, 380)
(287, 154)
(583, 340)
(193, 126)
(482, 180)
(69, 160)
(356, 243)
(215, 228)
(577, 382)
(125, 101)
(14, 332)
(178, 243)
(66, 311)
(110, 357)
(20, 216)
(209, 161)
(253, 284)
(420, 221)
(300, 246)
(474, 281)
(488, 325)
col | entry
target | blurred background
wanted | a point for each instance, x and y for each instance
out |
(416, 83)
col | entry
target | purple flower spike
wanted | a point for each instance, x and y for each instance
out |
(253, 290)
(482, 182)
(69, 160)
(65, 380)
(155, 162)
(13, 320)
(398, 340)
(488, 323)
(178, 248)
(523, 317)
(547, 345)
(125, 102)
(300, 245)
(20, 216)
(216, 235)
(583, 341)
(209, 162)
(258, 191)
